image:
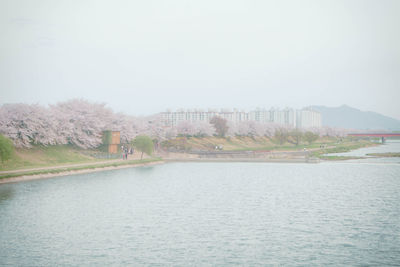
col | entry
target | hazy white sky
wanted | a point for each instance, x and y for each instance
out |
(142, 57)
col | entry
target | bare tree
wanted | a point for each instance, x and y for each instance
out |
(281, 135)
(310, 137)
(295, 136)
(220, 125)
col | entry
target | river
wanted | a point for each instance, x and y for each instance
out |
(388, 146)
(332, 213)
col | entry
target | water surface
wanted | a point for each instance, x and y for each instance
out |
(390, 146)
(206, 214)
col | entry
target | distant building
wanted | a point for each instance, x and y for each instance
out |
(289, 117)
(174, 118)
(305, 118)
(240, 115)
(260, 115)
(308, 118)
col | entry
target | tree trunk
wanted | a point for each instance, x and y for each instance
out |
(141, 157)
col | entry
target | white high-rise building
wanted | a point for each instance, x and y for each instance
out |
(239, 116)
(174, 118)
(308, 118)
(260, 115)
(305, 118)
(289, 117)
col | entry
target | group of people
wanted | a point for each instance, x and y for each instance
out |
(125, 151)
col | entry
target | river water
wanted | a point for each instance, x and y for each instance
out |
(335, 213)
(388, 146)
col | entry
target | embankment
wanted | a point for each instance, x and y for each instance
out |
(64, 171)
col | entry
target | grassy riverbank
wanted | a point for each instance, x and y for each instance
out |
(57, 170)
(41, 156)
(57, 159)
(241, 143)
(286, 151)
(341, 148)
(385, 155)
(245, 143)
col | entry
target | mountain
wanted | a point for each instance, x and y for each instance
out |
(352, 118)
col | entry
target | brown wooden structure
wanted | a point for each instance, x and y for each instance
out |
(111, 141)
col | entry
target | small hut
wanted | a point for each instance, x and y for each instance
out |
(111, 141)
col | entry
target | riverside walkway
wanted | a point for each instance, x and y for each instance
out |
(66, 166)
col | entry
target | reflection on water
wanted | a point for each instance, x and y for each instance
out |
(6, 193)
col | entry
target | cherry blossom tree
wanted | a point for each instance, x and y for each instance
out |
(186, 128)
(242, 129)
(81, 123)
(76, 122)
(155, 126)
(27, 124)
(203, 129)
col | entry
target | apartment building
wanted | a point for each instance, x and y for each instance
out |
(305, 118)
(308, 118)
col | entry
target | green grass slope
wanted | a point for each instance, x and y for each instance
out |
(40, 156)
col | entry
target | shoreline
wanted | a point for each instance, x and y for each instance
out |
(172, 157)
(28, 177)
(265, 160)
(270, 156)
